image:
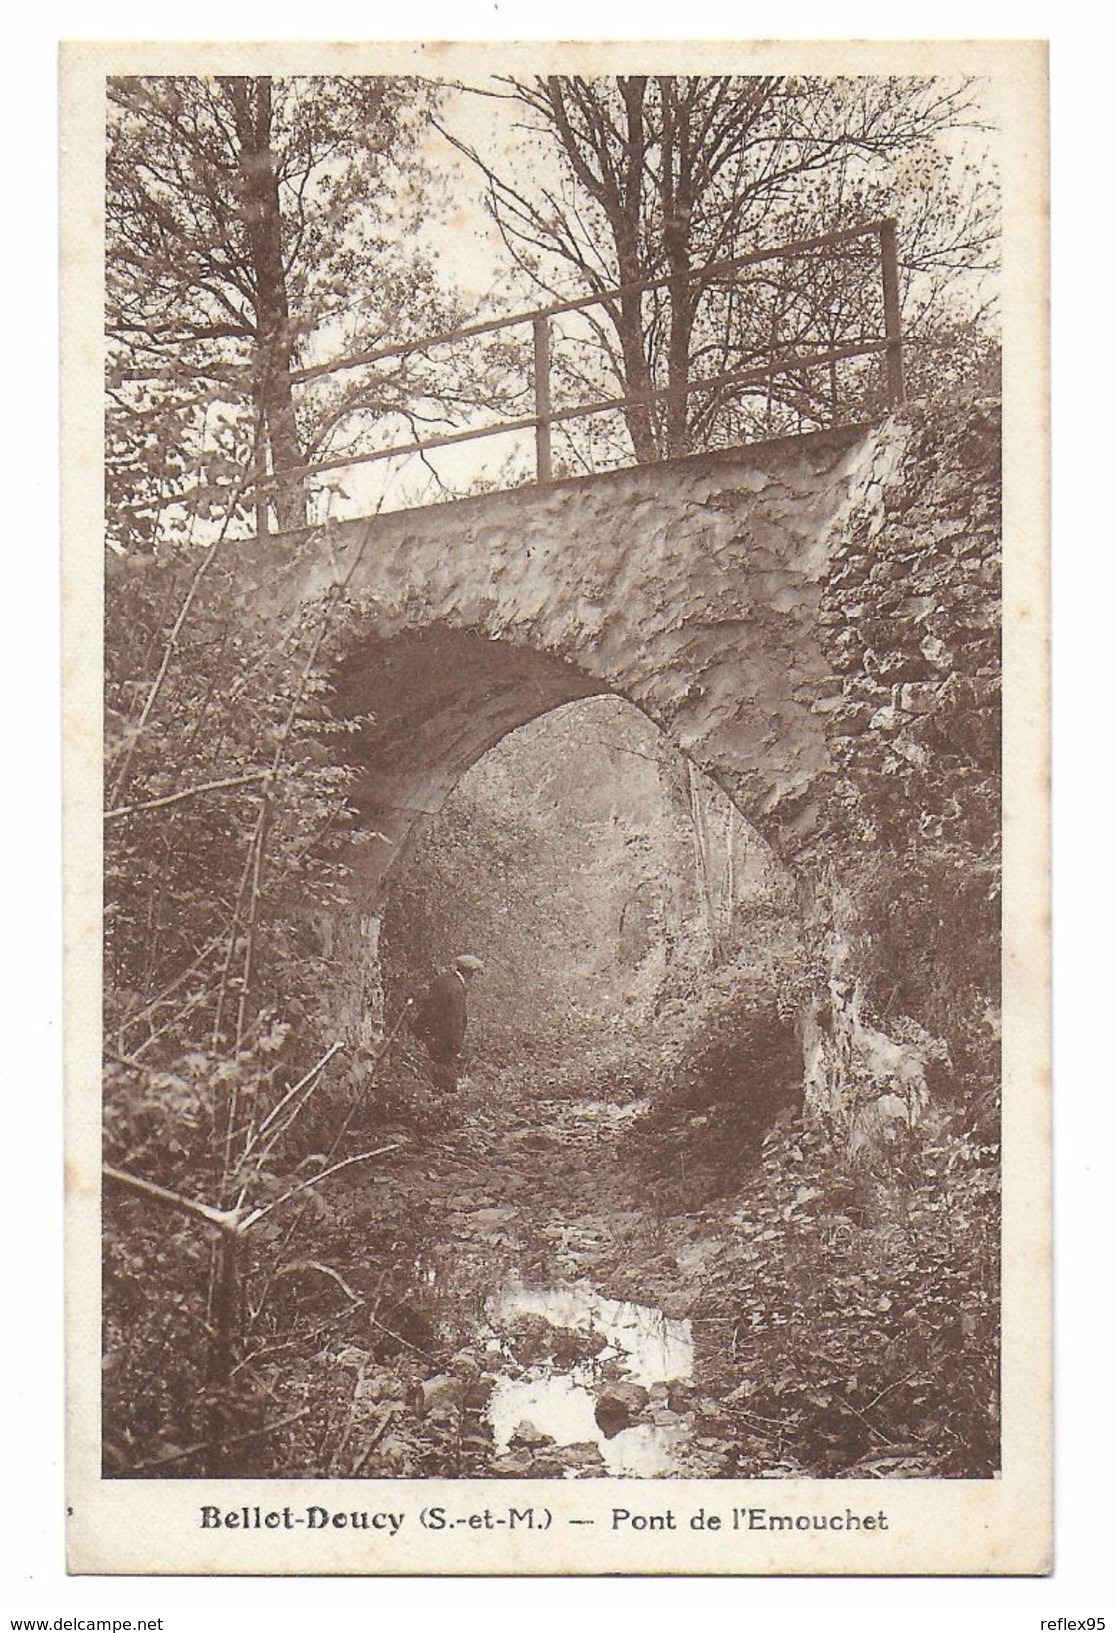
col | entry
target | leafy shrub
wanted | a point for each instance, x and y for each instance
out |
(226, 817)
(860, 1318)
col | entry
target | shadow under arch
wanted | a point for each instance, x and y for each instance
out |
(432, 702)
(427, 705)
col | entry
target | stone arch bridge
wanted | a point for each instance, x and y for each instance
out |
(795, 616)
(695, 589)
(787, 614)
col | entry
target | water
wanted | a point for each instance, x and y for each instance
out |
(560, 1401)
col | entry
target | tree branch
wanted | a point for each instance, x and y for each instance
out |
(224, 1220)
(188, 793)
(307, 1184)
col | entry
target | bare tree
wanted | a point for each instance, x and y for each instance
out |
(647, 177)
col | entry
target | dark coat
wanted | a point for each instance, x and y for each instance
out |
(442, 1017)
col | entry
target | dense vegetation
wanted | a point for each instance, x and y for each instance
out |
(278, 1195)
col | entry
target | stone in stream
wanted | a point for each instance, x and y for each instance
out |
(664, 1418)
(617, 1405)
(583, 1454)
(527, 1434)
(548, 1464)
(515, 1462)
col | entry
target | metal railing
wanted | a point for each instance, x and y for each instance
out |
(262, 486)
(887, 345)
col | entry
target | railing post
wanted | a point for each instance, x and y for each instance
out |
(543, 460)
(892, 313)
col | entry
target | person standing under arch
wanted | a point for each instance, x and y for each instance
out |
(441, 1019)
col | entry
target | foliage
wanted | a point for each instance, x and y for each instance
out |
(861, 1317)
(727, 1063)
(252, 229)
(227, 812)
(155, 1400)
(911, 621)
(231, 738)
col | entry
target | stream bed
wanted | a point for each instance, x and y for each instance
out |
(605, 1381)
(543, 1317)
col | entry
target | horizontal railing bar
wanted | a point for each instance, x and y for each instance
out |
(583, 411)
(381, 354)
(741, 378)
(446, 440)
(603, 405)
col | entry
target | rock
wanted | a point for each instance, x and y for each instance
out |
(466, 1366)
(885, 719)
(919, 697)
(515, 1462)
(911, 750)
(617, 1404)
(528, 1434)
(711, 1419)
(392, 1450)
(372, 1386)
(444, 1390)
(353, 1357)
(548, 1465)
(583, 1454)
(937, 653)
(485, 1217)
(532, 1339)
(444, 1416)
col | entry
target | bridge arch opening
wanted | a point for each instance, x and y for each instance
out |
(511, 806)
(428, 704)
(600, 876)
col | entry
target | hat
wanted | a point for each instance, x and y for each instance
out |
(466, 961)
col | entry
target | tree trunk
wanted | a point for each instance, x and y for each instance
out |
(677, 206)
(626, 225)
(251, 104)
(703, 860)
(637, 379)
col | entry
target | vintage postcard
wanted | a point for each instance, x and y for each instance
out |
(556, 809)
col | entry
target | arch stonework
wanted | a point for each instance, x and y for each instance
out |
(690, 588)
(814, 622)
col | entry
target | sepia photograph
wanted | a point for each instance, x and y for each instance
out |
(548, 988)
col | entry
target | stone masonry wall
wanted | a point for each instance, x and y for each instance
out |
(910, 622)
(906, 871)
(814, 623)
